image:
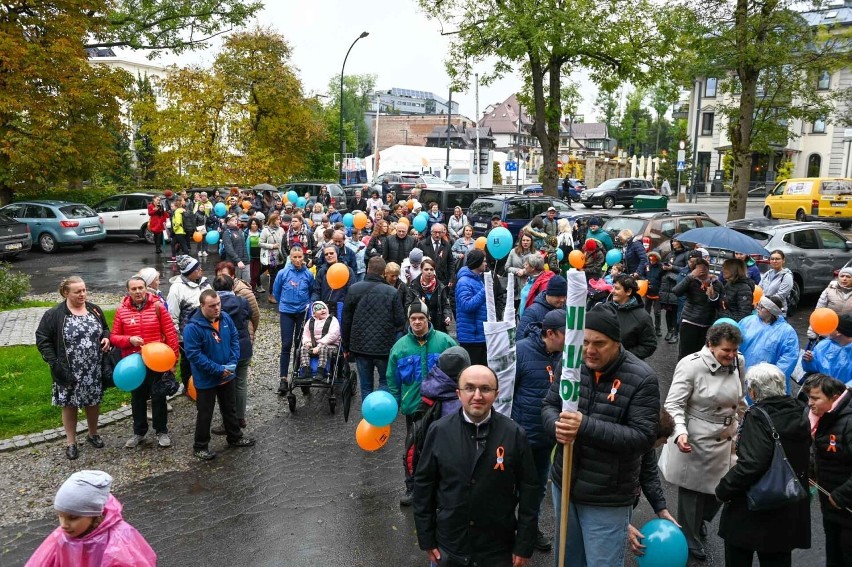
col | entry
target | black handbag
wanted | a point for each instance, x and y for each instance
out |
(779, 486)
(109, 360)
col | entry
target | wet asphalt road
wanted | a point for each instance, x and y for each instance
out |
(306, 494)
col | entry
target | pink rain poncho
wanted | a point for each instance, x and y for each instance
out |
(114, 543)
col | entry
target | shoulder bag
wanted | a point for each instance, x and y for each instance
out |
(779, 486)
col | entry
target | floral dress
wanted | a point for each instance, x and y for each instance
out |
(82, 336)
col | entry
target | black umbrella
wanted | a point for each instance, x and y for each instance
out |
(264, 187)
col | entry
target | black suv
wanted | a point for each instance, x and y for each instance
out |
(338, 197)
(514, 210)
(657, 228)
(400, 184)
(617, 191)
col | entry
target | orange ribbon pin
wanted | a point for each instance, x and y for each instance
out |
(550, 373)
(616, 384)
(500, 453)
(832, 444)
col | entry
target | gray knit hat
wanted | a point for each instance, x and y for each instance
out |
(85, 493)
(187, 264)
(418, 307)
(453, 361)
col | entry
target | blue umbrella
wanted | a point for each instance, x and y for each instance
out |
(723, 238)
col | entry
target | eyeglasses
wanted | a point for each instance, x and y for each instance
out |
(484, 390)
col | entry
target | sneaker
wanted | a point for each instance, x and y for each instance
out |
(95, 441)
(218, 430)
(149, 414)
(205, 454)
(668, 336)
(72, 452)
(406, 498)
(260, 290)
(242, 442)
(283, 387)
(542, 542)
(134, 441)
(163, 440)
(181, 390)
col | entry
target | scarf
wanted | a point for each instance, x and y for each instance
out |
(429, 288)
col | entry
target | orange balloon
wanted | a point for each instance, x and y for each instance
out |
(824, 321)
(370, 437)
(577, 259)
(643, 287)
(190, 389)
(480, 243)
(758, 293)
(404, 220)
(359, 221)
(410, 204)
(158, 356)
(337, 275)
(197, 236)
(246, 205)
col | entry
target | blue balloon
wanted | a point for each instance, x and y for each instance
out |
(220, 209)
(292, 196)
(419, 223)
(560, 255)
(499, 242)
(379, 408)
(614, 256)
(212, 237)
(301, 202)
(129, 372)
(727, 320)
(423, 214)
(665, 545)
(348, 219)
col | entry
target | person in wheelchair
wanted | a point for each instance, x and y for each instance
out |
(320, 340)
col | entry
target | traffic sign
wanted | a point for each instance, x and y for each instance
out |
(681, 165)
(511, 166)
(681, 155)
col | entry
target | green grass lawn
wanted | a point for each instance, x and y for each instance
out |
(25, 304)
(25, 392)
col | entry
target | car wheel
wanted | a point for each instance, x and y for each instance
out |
(47, 243)
(767, 212)
(89, 246)
(608, 202)
(795, 295)
(800, 216)
(146, 234)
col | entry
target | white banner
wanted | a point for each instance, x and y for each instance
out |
(500, 343)
(572, 353)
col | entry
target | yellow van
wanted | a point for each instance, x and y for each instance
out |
(811, 199)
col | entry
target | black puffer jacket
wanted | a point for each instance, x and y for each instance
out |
(772, 531)
(699, 309)
(637, 328)
(397, 249)
(677, 261)
(613, 435)
(649, 481)
(372, 317)
(50, 339)
(737, 299)
(834, 468)
(438, 303)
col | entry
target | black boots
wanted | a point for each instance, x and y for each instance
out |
(283, 387)
(658, 325)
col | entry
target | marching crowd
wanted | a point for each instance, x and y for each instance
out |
(400, 292)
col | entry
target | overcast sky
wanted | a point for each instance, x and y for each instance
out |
(404, 49)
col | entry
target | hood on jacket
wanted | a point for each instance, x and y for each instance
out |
(149, 298)
(466, 272)
(175, 279)
(631, 304)
(438, 386)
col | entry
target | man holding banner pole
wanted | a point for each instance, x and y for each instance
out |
(604, 413)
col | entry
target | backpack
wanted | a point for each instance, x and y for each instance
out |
(428, 412)
(189, 222)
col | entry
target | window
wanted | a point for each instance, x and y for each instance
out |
(538, 208)
(667, 228)
(710, 87)
(707, 124)
(814, 165)
(805, 239)
(14, 211)
(708, 222)
(38, 212)
(686, 224)
(819, 126)
(136, 202)
(780, 188)
(517, 210)
(831, 240)
(823, 81)
(110, 205)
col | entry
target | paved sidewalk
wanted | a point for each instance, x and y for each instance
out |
(18, 326)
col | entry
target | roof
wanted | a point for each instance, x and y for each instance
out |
(831, 14)
(502, 118)
(52, 202)
(588, 130)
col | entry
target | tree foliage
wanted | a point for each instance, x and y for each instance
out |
(546, 39)
(357, 90)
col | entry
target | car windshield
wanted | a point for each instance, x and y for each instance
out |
(431, 179)
(430, 196)
(6, 220)
(761, 237)
(485, 208)
(77, 211)
(836, 187)
(334, 189)
(617, 224)
(609, 184)
(458, 177)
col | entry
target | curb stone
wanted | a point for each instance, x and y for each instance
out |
(19, 441)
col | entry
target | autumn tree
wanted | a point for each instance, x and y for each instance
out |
(544, 40)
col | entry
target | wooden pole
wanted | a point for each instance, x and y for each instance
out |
(567, 461)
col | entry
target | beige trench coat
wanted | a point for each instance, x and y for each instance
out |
(706, 402)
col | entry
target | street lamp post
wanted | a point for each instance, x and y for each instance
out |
(342, 142)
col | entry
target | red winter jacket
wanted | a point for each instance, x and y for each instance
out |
(153, 324)
(157, 220)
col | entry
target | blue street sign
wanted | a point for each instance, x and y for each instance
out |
(681, 165)
(511, 166)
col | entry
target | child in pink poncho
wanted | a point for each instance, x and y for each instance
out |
(91, 531)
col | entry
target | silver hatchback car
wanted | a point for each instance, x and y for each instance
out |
(813, 250)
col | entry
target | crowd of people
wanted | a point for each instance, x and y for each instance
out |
(408, 310)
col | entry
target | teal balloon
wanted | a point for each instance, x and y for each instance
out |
(220, 209)
(727, 320)
(614, 256)
(301, 202)
(499, 242)
(665, 545)
(379, 408)
(292, 196)
(129, 372)
(560, 255)
(423, 214)
(420, 223)
(348, 220)
(212, 237)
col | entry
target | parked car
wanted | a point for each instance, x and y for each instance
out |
(514, 210)
(400, 184)
(59, 223)
(126, 215)
(434, 182)
(617, 191)
(813, 250)
(657, 228)
(811, 199)
(450, 198)
(14, 237)
(459, 178)
(338, 197)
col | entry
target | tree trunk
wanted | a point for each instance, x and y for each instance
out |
(7, 194)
